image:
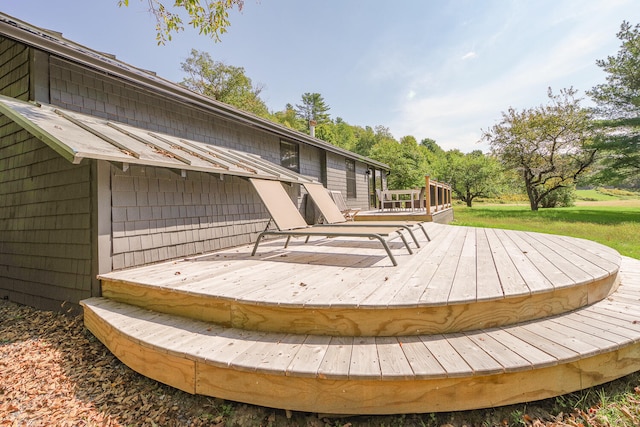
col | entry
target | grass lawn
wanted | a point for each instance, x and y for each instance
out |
(615, 223)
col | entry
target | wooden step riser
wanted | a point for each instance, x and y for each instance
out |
(360, 320)
(363, 396)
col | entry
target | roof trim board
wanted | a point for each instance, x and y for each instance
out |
(77, 136)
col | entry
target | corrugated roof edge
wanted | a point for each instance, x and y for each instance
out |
(52, 42)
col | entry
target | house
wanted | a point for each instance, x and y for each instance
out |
(104, 166)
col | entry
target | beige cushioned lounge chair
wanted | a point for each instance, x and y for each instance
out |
(289, 222)
(332, 215)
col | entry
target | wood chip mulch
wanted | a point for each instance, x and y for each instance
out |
(53, 372)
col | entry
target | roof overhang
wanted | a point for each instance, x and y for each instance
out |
(54, 43)
(77, 136)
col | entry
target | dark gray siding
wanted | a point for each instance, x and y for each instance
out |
(80, 89)
(14, 69)
(337, 180)
(45, 223)
(158, 215)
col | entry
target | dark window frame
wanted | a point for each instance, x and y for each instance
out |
(290, 155)
(350, 166)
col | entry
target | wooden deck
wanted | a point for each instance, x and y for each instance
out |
(474, 318)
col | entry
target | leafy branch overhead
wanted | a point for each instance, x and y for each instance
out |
(209, 17)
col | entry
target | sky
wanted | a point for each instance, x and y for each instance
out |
(444, 70)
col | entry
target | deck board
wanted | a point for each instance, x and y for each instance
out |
(577, 247)
(439, 287)
(365, 362)
(601, 251)
(542, 263)
(565, 337)
(562, 258)
(462, 279)
(508, 273)
(535, 357)
(423, 363)
(542, 343)
(392, 359)
(488, 285)
(447, 356)
(573, 256)
(464, 286)
(337, 360)
(527, 270)
(474, 355)
(414, 290)
(308, 359)
(505, 356)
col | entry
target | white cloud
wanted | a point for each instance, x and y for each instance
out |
(515, 69)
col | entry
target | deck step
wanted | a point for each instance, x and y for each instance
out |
(377, 375)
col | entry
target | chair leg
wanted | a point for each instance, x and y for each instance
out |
(406, 244)
(287, 242)
(386, 248)
(413, 236)
(255, 247)
(424, 231)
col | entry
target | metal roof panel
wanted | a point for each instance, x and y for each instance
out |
(76, 136)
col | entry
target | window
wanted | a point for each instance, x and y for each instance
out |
(351, 178)
(290, 155)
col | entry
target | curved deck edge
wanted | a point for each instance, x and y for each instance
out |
(364, 396)
(361, 320)
(590, 346)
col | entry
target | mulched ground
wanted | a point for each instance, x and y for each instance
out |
(53, 372)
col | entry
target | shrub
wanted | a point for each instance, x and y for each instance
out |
(562, 197)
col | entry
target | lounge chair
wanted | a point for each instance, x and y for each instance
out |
(332, 215)
(347, 212)
(289, 222)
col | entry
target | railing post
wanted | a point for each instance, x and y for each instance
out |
(427, 194)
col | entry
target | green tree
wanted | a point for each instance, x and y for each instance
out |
(222, 82)
(551, 145)
(314, 108)
(209, 17)
(618, 103)
(345, 134)
(289, 118)
(432, 146)
(407, 162)
(471, 175)
(327, 132)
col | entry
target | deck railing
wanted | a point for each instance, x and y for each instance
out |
(438, 197)
(434, 197)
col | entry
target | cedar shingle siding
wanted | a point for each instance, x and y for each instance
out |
(157, 216)
(45, 204)
(14, 70)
